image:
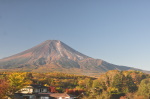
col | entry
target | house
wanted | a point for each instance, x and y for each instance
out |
(40, 92)
(33, 92)
(34, 89)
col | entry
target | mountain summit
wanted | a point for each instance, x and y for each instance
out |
(54, 55)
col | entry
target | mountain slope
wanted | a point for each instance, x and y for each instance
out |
(50, 51)
(54, 55)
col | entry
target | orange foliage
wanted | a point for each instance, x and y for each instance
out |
(4, 88)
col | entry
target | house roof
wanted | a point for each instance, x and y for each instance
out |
(61, 95)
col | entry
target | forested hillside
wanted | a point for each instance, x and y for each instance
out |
(110, 85)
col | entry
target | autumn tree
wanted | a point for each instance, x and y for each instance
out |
(117, 82)
(4, 88)
(17, 81)
(130, 85)
(85, 83)
(144, 88)
(53, 89)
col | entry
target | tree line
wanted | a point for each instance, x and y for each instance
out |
(113, 84)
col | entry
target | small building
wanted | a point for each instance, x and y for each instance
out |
(33, 92)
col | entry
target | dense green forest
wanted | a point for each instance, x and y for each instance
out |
(113, 84)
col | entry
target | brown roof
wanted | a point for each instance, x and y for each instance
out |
(59, 95)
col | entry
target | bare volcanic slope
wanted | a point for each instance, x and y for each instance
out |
(54, 55)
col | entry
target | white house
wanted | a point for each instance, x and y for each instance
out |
(33, 92)
(40, 92)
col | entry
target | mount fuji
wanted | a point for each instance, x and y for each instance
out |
(56, 56)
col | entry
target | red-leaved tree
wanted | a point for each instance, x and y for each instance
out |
(4, 88)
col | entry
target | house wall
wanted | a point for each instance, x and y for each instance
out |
(44, 90)
(30, 96)
(41, 90)
(44, 97)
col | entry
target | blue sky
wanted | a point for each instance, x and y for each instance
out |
(116, 31)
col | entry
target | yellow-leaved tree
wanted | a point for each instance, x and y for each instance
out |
(17, 81)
